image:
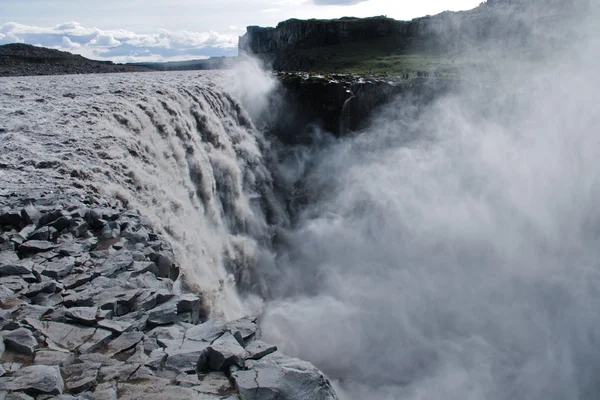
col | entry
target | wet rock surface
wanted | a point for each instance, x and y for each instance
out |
(88, 310)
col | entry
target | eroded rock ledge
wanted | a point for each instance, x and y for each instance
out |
(88, 310)
(342, 103)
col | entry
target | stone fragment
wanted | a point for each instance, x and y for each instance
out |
(50, 217)
(42, 287)
(40, 379)
(125, 342)
(10, 218)
(106, 391)
(115, 326)
(82, 315)
(257, 349)
(10, 265)
(166, 265)
(75, 281)
(160, 389)
(115, 264)
(35, 246)
(81, 377)
(51, 357)
(185, 360)
(94, 218)
(141, 267)
(58, 269)
(71, 337)
(31, 311)
(100, 337)
(21, 341)
(207, 332)
(43, 233)
(191, 305)
(222, 354)
(31, 215)
(111, 230)
(282, 378)
(61, 223)
(247, 328)
(156, 359)
(164, 314)
(214, 383)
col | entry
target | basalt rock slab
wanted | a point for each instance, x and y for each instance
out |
(282, 378)
(37, 379)
(36, 246)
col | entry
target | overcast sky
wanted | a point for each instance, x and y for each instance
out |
(139, 30)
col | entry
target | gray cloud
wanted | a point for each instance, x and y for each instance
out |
(337, 2)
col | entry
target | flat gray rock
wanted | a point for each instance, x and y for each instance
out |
(114, 326)
(20, 341)
(106, 391)
(11, 265)
(125, 342)
(71, 337)
(81, 377)
(83, 315)
(40, 379)
(258, 349)
(208, 331)
(50, 357)
(59, 269)
(36, 246)
(164, 314)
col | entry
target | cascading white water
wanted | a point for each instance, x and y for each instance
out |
(453, 252)
(176, 146)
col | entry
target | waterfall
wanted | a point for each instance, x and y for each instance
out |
(176, 146)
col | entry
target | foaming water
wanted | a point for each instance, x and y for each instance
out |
(453, 252)
(176, 146)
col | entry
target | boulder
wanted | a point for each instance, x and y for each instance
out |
(20, 341)
(284, 378)
(222, 354)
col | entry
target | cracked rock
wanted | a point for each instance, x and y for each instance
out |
(40, 379)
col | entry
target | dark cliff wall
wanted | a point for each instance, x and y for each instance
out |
(340, 104)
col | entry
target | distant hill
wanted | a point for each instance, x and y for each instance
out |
(22, 59)
(190, 65)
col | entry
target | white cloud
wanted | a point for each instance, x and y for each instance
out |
(120, 44)
(271, 10)
(67, 44)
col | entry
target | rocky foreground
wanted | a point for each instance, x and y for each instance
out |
(93, 306)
